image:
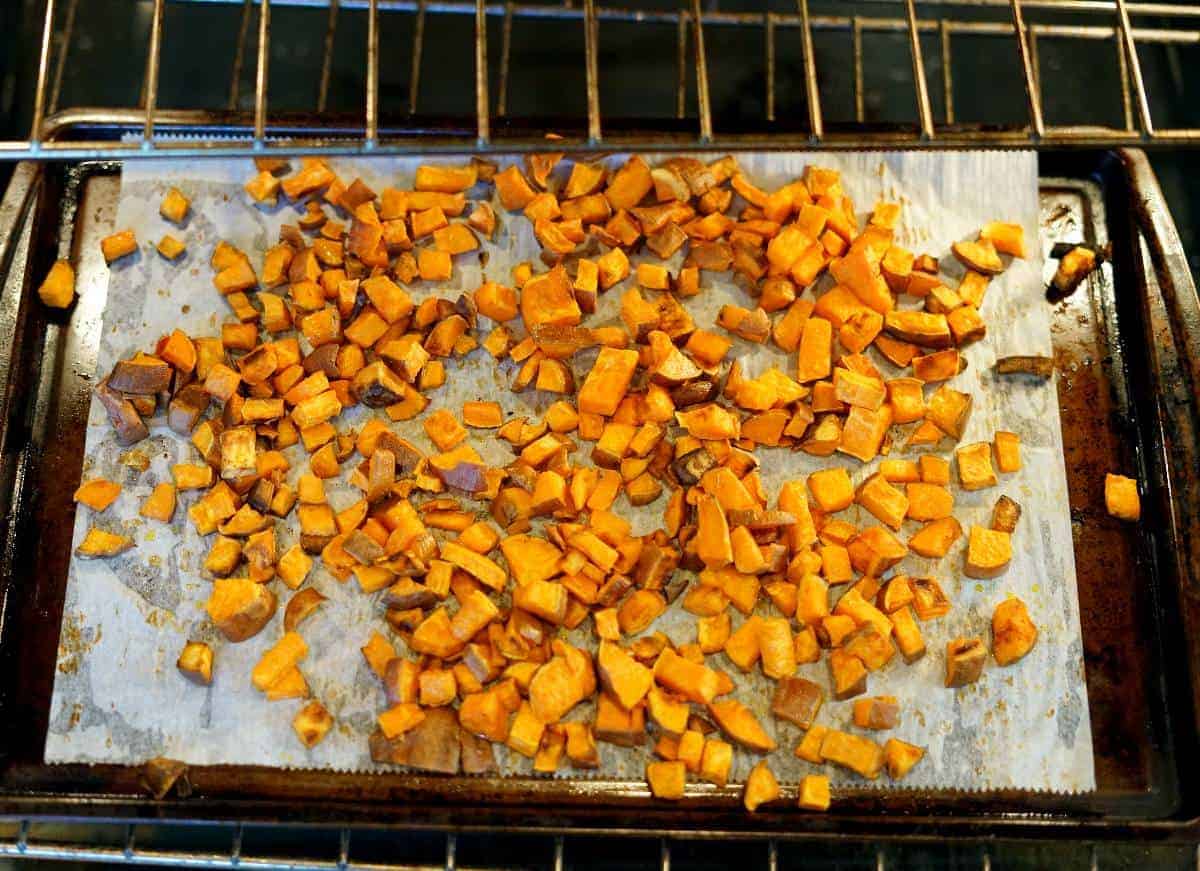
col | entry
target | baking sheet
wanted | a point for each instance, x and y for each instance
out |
(118, 697)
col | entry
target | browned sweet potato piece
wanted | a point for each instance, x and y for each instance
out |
(964, 661)
(312, 723)
(860, 755)
(761, 787)
(98, 544)
(1013, 633)
(1121, 497)
(240, 608)
(98, 493)
(901, 757)
(300, 606)
(196, 662)
(797, 700)
(125, 420)
(739, 724)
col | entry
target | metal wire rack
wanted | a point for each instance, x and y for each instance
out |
(58, 133)
(237, 846)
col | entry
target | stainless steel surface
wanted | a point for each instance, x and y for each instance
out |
(1126, 26)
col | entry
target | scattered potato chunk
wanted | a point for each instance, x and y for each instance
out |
(174, 206)
(118, 245)
(666, 779)
(761, 787)
(989, 552)
(58, 288)
(98, 544)
(964, 661)
(312, 723)
(1013, 633)
(196, 662)
(901, 757)
(98, 493)
(814, 792)
(1121, 497)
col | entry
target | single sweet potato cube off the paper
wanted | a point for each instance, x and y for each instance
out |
(1121, 497)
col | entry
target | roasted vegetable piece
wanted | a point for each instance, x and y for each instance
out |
(196, 662)
(901, 757)
(299, 607)
(1013, 633)
(666, 779)
(814, 792)
(1005, 514)
(98, 493)
(312, 723)
(739, 724)
(860, 755)
(989, 552)
(58, 288)
(797, 700)
(964, 661)
(98, 544)
(761, 787)
(1121, 497)
(878, 712)
(240, 608)
(1042, 367)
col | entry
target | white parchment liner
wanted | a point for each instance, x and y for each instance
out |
(118, 697)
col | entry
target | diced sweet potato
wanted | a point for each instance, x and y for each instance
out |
(901, 757)
(196, 662)
(878, 712)
(666, 779)
(860, 755)
(98, 493)
(975, 466)
(285, 654)
(740, 725)
(312, 723)
(240, 608)
(935, 538)
(989, 552)
(814, 792)
(761, 787)
(797, 700)
(1013, 633)
(1121, 497)
(964, 661)
(58, 288)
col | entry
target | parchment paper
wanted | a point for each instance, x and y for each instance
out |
(118, 697)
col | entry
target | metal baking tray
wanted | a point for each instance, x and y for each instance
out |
(1125, 345)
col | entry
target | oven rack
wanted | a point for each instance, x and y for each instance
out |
(1117, 26)
(232, 847)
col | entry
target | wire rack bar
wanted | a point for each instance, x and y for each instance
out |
(327, 56)
(947, 76)
(1135, 68)
(924, 112)
(152, 58)
(65, 39)
(681, 29)
(1028, 53)
(591, 39)
(505, 50)
(483, 124)
(418, 48)
(372, 131)
(706, 126)
(239, 56)
(812, 93)
(260, 76)
(39, 97)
